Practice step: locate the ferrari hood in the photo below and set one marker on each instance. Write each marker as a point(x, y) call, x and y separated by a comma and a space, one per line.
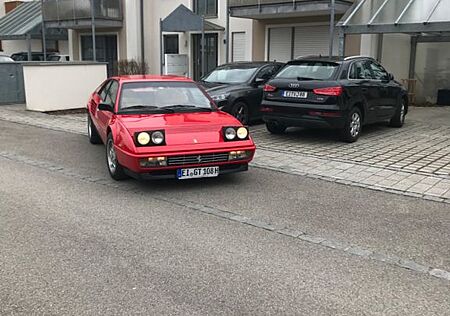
point(182, 128)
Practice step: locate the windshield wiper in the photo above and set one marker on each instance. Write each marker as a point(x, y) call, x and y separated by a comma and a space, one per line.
point(151, 108)
point(185, 106)
point(306, 78)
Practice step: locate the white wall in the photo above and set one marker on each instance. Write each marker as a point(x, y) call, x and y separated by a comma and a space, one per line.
point(369, 45)
point(132, 29)
point(432, 70)
point(396, 53)
point(2, 8)
point(61, 86)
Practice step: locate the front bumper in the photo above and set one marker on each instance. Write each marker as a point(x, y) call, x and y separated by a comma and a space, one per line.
point(131, 162)
point(172, 173)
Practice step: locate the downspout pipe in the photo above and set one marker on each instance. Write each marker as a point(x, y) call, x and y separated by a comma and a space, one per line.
point(44, 37)
point(142, 37)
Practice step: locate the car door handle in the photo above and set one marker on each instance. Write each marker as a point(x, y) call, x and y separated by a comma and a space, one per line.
point(365, 89)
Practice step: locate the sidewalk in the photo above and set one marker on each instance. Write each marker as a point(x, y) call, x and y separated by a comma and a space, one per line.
point(412, 161)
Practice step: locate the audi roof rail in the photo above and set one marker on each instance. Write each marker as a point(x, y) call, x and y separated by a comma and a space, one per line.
point(357, 56)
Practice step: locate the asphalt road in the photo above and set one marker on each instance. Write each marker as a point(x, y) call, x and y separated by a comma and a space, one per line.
point(74, 242)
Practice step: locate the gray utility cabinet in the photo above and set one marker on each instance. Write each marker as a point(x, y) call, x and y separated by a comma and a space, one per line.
point(12, 90)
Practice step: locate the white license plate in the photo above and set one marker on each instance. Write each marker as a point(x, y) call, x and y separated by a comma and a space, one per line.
point(295, 94)
point(193, 173)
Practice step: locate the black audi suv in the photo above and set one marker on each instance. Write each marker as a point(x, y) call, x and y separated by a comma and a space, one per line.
point(336, 93)
point(237, 88)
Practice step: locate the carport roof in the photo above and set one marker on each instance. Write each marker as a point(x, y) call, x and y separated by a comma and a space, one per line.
point(26, 19)
point(397, 16)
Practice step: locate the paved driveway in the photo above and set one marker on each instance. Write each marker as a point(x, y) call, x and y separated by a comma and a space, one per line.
point(421, 146)
point(413, 160)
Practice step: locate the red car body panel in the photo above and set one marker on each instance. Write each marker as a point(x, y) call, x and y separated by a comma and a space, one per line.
point(185, 133)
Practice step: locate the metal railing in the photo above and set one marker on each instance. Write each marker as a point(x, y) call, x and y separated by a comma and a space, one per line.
point(245, 3)
point(64, 10)
point(248, 3)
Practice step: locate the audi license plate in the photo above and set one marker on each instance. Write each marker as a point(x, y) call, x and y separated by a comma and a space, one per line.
point(295, 94)
point(193, 173)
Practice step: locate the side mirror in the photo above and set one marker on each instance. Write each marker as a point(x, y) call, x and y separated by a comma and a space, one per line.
point(105, 107)
point(391, 77)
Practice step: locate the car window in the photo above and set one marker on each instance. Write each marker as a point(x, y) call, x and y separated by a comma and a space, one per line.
point(313, 70)
point(231, 74)
point(104, 89)
point(360, 70)
point(111, 95)
point(378, 71)
point(267, 72)
point(54, 58)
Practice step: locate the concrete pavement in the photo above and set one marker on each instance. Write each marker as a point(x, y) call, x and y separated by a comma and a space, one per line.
point(76, 242)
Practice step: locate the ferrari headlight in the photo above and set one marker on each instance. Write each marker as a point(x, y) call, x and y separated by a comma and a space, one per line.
point(220, 97)
point(230, 133)
point(157, 138)
point(143, 138)
point(242, 133)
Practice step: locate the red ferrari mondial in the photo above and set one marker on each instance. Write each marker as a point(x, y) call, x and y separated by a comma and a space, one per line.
point(165, 127)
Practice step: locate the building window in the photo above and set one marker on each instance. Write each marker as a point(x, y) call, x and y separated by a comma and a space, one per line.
point(208, 8)
point(171, 44)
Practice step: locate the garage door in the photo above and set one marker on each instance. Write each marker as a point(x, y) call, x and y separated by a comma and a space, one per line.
point(280, 44)
point(313, 40)
point(238, 46)
point(308, 40)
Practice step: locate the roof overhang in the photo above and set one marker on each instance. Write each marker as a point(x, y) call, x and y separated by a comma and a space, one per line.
point(267, 10)
point(25, 22)
point(397, 16)
point(184, 20)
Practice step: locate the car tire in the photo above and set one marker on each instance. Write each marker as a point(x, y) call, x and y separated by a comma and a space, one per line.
point(241, 112)
point(353, 126)
point(275, 127)
point(400, 115)
point(93, 135)
point(116, 171)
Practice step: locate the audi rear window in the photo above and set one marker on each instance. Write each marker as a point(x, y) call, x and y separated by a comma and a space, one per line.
point(309, 70)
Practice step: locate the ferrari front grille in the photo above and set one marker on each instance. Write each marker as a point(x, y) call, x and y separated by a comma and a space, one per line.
point(197, 159)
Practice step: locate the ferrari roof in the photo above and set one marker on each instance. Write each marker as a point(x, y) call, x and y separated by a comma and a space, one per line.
point(153, 78)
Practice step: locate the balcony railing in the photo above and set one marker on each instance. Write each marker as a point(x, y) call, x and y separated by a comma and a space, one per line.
point(245, 3)
point(73, 10)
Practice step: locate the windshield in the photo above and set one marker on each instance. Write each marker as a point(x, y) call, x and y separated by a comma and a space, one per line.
point(163, 97)
point(231, 74)
point(311, 70)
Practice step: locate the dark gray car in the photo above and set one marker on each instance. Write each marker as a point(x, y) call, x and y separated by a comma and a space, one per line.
point(237, 88)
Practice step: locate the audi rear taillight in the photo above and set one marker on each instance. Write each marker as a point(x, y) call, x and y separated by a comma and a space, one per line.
point(269, 88)
point(330, 91)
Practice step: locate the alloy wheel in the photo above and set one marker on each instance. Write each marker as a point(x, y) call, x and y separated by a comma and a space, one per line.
point(355, 125)
point(89, 128)
point(111, 156)
point(241, 114)
point(403, 112)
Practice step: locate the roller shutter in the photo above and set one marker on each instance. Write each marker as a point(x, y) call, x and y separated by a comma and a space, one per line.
point(238, 46)
point(280, 44)
point(313, 40)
